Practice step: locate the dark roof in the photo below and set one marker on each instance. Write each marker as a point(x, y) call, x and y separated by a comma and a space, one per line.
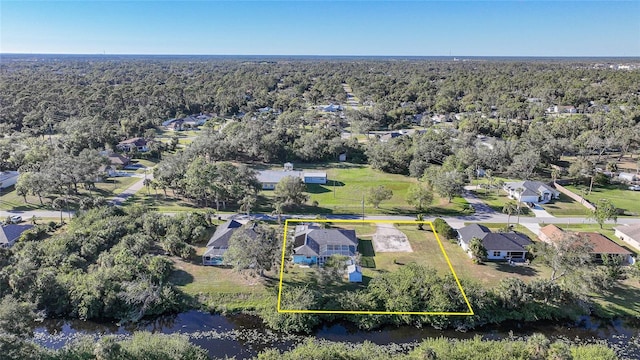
point(223, 233)
point(505, 241)
point(474, 230)
point(10, 233)
point(315, 238)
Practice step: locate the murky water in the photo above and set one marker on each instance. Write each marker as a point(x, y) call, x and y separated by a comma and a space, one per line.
point(245, 336)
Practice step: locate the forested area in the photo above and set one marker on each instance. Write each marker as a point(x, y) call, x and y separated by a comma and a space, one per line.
point(108, 264)
point(94, 104)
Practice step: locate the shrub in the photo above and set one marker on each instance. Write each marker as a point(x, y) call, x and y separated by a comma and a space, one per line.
point(443, 229)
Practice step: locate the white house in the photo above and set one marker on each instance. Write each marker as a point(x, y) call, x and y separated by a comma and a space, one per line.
point(8, 178)
point(629, 234)
point(627, 176)
point(500, 246)
point(531, 192)
point(270, 178)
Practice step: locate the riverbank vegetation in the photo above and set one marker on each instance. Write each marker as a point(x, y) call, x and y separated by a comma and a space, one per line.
point(535, 347)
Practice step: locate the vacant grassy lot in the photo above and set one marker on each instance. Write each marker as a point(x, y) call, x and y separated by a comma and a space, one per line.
point(619, 195)
point(565, 206)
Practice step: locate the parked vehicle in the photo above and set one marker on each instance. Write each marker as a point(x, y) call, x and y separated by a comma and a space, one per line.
point(16, 219)
point(634, 187)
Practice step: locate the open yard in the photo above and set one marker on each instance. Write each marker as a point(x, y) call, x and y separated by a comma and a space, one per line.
point(620, 196)
point(348, 183)
point(221, 289)
point(565, 206)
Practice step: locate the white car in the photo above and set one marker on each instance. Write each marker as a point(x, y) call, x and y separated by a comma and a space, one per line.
point(634, 187)
point(16, 219)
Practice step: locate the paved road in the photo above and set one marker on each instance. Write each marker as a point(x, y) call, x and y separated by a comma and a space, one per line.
point(477, 204)
point(131, 190)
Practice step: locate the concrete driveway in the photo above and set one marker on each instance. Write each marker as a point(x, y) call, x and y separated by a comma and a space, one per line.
point(389, 239)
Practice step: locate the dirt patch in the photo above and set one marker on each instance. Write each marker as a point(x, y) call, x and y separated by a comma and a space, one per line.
point(389, 239)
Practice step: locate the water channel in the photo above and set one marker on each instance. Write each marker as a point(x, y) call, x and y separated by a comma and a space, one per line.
point(244, 336)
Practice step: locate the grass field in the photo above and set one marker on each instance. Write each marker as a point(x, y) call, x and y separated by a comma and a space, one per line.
point(348, 183)
point(620, 196)
point(565, 206)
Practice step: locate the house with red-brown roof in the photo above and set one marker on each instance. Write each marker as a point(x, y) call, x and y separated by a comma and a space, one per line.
point(601, 245)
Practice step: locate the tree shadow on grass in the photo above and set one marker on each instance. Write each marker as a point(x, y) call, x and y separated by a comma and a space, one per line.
point(180, 278)
point(516, 269)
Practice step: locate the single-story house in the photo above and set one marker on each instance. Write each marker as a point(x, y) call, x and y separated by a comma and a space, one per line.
point(550, 234)
point(313, 245)
point(270, 178)
point(531, 192)
point(219, 243)
point(627, 177)
point(118, 160)
point(354, 272)
point(10, 233)
point(601, 244)
point(500, 246)
point(629, 234)
point(8, 178)
point(107, 171)
point(135, 144)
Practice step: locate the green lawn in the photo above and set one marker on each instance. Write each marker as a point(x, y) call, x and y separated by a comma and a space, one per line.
point(348, 183)
point(620, 196)
point(565, 206)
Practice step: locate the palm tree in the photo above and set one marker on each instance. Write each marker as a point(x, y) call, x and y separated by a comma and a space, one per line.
point(489, 175)
point(509, 208)
point(147, 183)
point(554, 174)
point(519, 191)
point(278, 209)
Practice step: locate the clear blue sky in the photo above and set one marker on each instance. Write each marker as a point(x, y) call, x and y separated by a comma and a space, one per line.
point(427, 28)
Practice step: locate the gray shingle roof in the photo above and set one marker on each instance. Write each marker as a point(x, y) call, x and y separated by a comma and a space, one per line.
point(474, 230)
point(10, 233)
point(316, 238)
point(223, 233)
point(505, 241)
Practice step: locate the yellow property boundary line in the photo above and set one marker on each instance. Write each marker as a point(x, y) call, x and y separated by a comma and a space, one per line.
point(284, 246)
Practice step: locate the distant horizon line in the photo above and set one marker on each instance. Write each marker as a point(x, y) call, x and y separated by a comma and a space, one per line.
point(460, 57)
